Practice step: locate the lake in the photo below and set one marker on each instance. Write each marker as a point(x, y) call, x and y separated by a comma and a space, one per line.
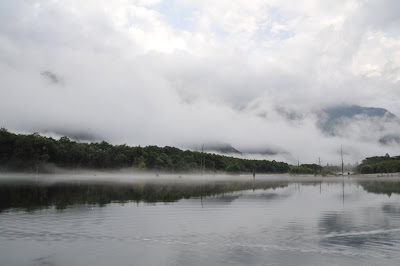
point(199, 220)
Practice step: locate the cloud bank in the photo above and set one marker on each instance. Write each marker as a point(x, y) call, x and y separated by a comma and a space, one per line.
point(252, 74)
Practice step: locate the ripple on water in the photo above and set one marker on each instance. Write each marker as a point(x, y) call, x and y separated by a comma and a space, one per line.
point(285, 225)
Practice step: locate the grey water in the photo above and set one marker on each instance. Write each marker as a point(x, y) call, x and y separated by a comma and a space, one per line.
point(200, 221)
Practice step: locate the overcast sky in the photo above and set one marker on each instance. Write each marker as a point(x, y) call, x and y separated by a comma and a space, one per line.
point(179, 73)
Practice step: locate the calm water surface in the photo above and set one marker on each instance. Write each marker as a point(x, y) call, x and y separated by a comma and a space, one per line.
point(272, 221)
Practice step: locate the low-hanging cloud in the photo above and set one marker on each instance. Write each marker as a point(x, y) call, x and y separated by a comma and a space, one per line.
point(254, 76)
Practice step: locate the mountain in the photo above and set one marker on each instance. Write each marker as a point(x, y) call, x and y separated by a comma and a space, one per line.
point(218, 147)
point(334, 119)
point(390, 139)
point(263, 151)
point(73, 134)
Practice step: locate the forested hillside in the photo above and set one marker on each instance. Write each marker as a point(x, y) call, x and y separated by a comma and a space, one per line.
point(380, 164)
point(31, 153)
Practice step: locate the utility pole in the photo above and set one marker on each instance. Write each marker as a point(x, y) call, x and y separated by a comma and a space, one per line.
point(201, 160)
point(341, 154)
point(204, 163)
point(319, 162)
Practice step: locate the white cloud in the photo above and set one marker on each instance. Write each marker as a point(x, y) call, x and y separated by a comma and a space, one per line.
point(132, 73)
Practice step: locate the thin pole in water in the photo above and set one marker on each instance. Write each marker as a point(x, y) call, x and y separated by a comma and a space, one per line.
point(343, 191)
point(341, 154)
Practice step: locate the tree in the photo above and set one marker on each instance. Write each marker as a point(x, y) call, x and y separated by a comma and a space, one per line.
point(121, 160)
point(366, 169)
point(28, 152)
point(142, 165)
point(233, 168)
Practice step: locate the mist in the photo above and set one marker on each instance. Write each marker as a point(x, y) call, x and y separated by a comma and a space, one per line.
point(253, 75)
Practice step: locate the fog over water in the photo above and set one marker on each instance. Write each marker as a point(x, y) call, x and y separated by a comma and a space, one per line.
point(255, 75)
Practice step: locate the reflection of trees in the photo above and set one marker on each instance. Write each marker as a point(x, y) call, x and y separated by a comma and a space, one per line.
point(381, 187)
point(30, 196)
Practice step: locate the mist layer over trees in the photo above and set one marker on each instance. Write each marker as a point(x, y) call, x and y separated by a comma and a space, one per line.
point(35, 153)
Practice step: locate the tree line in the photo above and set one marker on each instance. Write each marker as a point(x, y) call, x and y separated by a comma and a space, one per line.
point(36, 153)
point(379, 164)
point(308, 169)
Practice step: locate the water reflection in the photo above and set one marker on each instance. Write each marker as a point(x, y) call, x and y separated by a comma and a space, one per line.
point(33, 195)
point(391, 209)
point(344, 229)
point(274, 221)
point(364, 225)
point(381, 187)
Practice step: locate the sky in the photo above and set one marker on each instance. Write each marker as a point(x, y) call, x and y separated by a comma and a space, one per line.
point(253, 74)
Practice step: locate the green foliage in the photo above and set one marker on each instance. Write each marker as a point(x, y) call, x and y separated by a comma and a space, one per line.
point(233, 168)
point(366, 169)
point(121, 160)
point(326, 172)
point(306, 169)
point(313, 166)
point(379, 164)
point(142, 165)
point(28, 152)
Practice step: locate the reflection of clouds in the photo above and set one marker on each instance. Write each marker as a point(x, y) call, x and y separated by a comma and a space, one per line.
point(281, 236)
point(267, 196)
point(361, 228)
point(242, 255)
point(246, 195)
point(266, 227)
point(391, 209)
point(335, 222)
point(44, 260)
point(223, 199)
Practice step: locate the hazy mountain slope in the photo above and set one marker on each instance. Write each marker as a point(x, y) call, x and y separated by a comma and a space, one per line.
point(218, 147)
point(335, 120)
